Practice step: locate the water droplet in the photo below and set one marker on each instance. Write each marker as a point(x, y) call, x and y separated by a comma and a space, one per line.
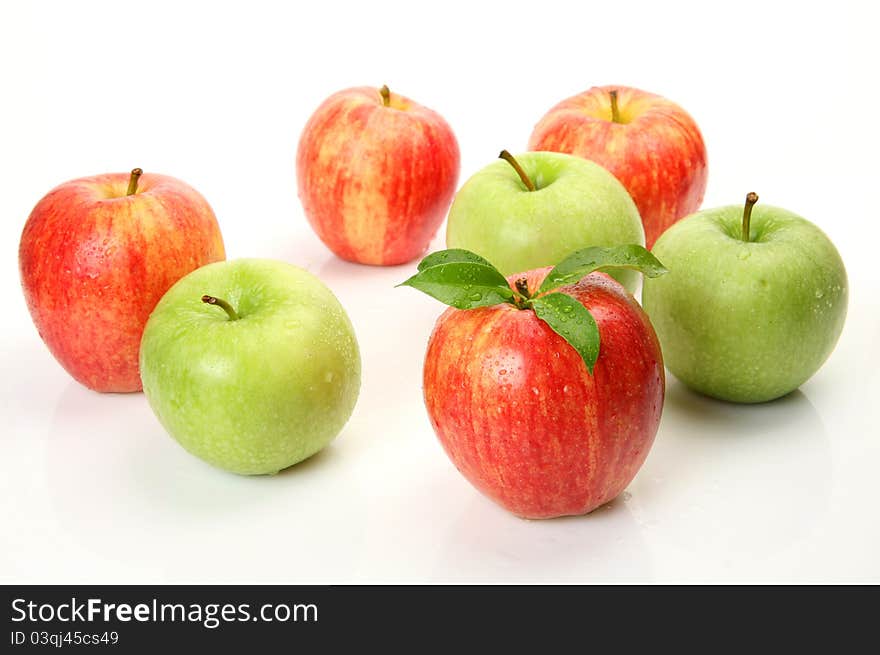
point(328, 376)
point(503, 371)
point(566, 389)
point(819, 293)
point(536, 391)
point(475, 297)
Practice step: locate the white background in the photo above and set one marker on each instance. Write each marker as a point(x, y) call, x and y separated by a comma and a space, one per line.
point(93, 490)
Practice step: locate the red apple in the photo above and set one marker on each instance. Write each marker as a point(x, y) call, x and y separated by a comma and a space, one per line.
point(376, 174)
point(649, 143)
point(97, 254)
point(517, 411)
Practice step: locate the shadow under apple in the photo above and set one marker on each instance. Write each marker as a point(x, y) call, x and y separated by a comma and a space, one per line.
point(734, 484)
point(486, 544)
point(124, 488)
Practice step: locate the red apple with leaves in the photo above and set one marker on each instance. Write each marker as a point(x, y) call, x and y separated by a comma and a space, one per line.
point(376, 173)
point(649, 143)
point(546, 389)
point(97, 254)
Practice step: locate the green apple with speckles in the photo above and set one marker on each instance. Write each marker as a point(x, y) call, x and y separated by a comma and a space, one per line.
point(535, 209)
point(251, 364)
point(753, 304)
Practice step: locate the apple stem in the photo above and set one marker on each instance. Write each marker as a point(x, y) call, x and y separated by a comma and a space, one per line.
point(385, 92)
point(522, 287)
point(615, 112)
point(751, 199)
point(506, 156)
point(133, 181)
point(225, 306)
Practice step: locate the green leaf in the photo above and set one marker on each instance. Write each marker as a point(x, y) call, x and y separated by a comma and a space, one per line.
point(583, 262)
point(463, 284)
point(450, 256)
point(571, 321)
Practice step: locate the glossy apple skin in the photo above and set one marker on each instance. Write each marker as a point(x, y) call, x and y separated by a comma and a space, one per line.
point(577, 204)
point(746, 322)
point(521, 418)
point(375, 182)
point(657, 151)
point(94, 262)
point(261, 393)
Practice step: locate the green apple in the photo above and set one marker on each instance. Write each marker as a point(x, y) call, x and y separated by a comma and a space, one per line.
point(250, 364)
point(753, 303)
point(536, 209)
